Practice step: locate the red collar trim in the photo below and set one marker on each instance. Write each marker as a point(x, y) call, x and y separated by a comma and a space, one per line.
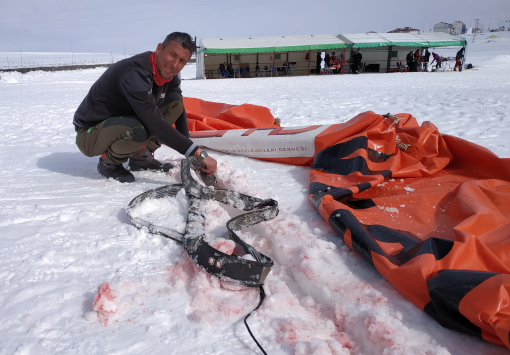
point(158, 79)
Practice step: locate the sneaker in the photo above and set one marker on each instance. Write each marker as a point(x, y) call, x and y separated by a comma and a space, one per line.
point(116, 172)
point(143, 159)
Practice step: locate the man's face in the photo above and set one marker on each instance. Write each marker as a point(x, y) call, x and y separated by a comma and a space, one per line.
point(171, 59)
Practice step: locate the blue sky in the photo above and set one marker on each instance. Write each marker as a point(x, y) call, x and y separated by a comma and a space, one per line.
point(134, 26)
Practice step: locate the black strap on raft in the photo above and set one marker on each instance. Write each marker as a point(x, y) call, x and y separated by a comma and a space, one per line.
point(250, 273)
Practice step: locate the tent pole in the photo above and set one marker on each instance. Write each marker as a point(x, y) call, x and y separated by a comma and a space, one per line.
point(463, 60)
point(273, 69)
point(343, 61)
point(350, 58)
point(309, 62)
point(239, 66)
point(389, 59)
point(287, 64)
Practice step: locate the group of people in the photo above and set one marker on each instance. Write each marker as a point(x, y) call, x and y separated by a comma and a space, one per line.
point(226, 70)
point(458, 59)
point(332, 61)
point(414, 59)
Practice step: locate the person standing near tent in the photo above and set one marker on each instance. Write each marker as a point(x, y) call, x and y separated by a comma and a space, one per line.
point(356, 61)
point(409, 60)
point(437, 58)
point(359, 58)
point(334, 62)
point(230, 70)
point(326, 61)
point(417, 60)
point(426, 59)
point(129, 112)
point(458, 59)
point(337, 64)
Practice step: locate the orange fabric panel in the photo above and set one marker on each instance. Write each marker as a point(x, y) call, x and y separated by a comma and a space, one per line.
point(248, 116)
point(203, 123)
point(475, 161)
point(493, 313)
point(206, 115)
point(409, 279)
point(204, 108)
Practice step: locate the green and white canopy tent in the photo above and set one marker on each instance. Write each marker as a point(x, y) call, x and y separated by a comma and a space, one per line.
point(386, 49)
point(259, 52)
point(412, 40)
point(256, 56)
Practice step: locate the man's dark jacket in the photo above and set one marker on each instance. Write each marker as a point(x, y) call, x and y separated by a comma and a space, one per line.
point(460, 54)
point(127, 88)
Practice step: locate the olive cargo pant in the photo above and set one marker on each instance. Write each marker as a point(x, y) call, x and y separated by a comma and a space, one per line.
point(119, 137)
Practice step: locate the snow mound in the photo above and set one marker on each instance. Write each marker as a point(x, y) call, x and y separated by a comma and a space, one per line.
point(170, 212)
point(105, 303)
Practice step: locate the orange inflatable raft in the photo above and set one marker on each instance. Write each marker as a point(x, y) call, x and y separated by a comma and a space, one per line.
point(430, 212)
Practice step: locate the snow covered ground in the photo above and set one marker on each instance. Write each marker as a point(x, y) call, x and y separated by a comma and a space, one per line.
point(76, 277)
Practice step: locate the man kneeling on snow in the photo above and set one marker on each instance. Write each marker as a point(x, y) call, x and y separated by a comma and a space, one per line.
point(129, 112)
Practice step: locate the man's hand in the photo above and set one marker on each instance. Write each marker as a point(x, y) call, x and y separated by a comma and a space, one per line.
point(210, 164)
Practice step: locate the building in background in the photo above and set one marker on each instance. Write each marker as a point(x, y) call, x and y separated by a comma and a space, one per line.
point(456, 28)
point(443, 27)
point(405, 30)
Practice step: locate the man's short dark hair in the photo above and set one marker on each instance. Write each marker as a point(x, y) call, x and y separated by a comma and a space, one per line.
point(183, 39)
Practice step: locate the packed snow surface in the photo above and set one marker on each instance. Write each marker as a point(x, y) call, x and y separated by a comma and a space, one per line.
point(166, 212)
point(77, 277)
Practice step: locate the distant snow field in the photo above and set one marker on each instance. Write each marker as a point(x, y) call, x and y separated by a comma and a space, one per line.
point(78, 278)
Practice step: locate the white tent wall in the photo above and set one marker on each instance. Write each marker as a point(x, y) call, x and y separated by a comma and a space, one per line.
point(200, 62)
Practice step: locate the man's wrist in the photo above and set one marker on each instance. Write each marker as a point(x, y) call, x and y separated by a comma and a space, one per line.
point(202, 155)
point(192, 150)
